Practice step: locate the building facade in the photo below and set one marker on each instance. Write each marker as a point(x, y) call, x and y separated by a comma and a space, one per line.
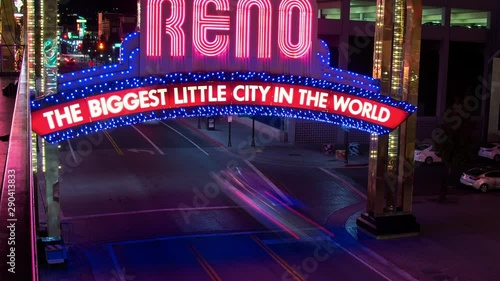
point(460, 38)
point(113, 27)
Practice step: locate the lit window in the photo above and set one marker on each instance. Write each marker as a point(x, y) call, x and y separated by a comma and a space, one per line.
point(432, 16)
point(329, 9)
point(469, 18)
point(363, 11)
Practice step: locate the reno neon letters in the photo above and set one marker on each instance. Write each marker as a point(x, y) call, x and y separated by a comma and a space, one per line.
point(210, 26)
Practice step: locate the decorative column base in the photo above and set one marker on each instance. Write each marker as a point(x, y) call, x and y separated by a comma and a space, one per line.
point(388, 226)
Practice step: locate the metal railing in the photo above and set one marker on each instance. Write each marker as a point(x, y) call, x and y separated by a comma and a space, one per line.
point(18, 260)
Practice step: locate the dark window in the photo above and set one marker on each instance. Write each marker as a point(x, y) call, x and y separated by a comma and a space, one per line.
point(489, 145)
point(498, 118)
point(422, 147)
point(429, 74)
point(466, 62)
point(493, 175)
point(360, 55)
point(476, 172)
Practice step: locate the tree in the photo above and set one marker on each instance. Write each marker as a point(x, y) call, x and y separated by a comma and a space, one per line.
point(455, 141)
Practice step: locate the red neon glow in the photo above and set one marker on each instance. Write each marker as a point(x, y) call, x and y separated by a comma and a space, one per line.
point(203, 23)
point(285, 24)
point(145, 99)
point(243, 27)
point(172, 28)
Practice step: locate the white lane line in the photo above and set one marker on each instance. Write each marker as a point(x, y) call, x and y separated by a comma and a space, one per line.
point(153, 211)
point(352, 187)
point(72, 151)
point(150, 141)
point(116, 264)
point(269, 182)
point(171, 128)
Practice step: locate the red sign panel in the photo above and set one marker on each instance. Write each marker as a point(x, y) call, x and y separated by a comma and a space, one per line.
point(132, 101)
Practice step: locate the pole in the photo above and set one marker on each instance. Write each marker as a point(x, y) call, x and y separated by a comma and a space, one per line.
point(229, 142)
point(346, 141)
point(253, 131)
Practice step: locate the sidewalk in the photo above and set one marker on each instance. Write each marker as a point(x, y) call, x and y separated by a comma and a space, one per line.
point(458, 239)
point(269, 146)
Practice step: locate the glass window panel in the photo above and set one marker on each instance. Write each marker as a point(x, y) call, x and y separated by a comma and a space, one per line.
point(432, 15)
point(329, 9)
point(363, 10)
point(470, 18)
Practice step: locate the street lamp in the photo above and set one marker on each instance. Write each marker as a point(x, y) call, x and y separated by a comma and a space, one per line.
point(253, 131)
point(346, 143)
point(230, 120)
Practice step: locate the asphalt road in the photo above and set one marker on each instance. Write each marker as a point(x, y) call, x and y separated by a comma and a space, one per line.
point(145, 191)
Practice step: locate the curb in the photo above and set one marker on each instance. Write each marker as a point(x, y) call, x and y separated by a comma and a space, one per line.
point(196, 130)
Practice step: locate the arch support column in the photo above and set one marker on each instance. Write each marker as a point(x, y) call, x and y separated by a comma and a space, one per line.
point(391, 165)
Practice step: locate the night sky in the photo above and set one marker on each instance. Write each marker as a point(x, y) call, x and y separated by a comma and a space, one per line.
point(124, 5)
point(90, 8)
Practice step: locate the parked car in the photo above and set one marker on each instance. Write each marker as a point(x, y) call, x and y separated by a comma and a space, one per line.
point(426, 153)
point(67, 59)
point(481, 178)
point(491, 151)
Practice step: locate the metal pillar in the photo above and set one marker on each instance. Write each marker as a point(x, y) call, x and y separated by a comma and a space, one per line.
point(346, 141)
point(253, 131)
point(396, 64)
point(229, 144)
point(46, 51)
point(51, 163)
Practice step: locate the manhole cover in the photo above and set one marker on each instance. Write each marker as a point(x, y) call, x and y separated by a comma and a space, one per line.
point(294, 154)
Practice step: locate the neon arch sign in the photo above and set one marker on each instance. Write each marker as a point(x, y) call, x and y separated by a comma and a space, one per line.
point(217, 57)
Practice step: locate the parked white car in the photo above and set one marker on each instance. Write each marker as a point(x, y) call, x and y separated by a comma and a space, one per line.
point(482, 179)
point(491, 151)
point(425, 153)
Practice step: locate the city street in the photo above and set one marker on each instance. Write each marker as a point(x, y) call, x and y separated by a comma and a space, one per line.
point(143, 196)
point(139, 203)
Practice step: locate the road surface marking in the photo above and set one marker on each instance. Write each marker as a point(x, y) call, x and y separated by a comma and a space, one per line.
point(72, 151)
point(269, 182)
point(204, 263)
point(116, 264)
point(171, 128)
point(150, 141)
point(297, 276)
point(153, 211)
point(141, 150)
point(352, 187)
point(113, 143)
